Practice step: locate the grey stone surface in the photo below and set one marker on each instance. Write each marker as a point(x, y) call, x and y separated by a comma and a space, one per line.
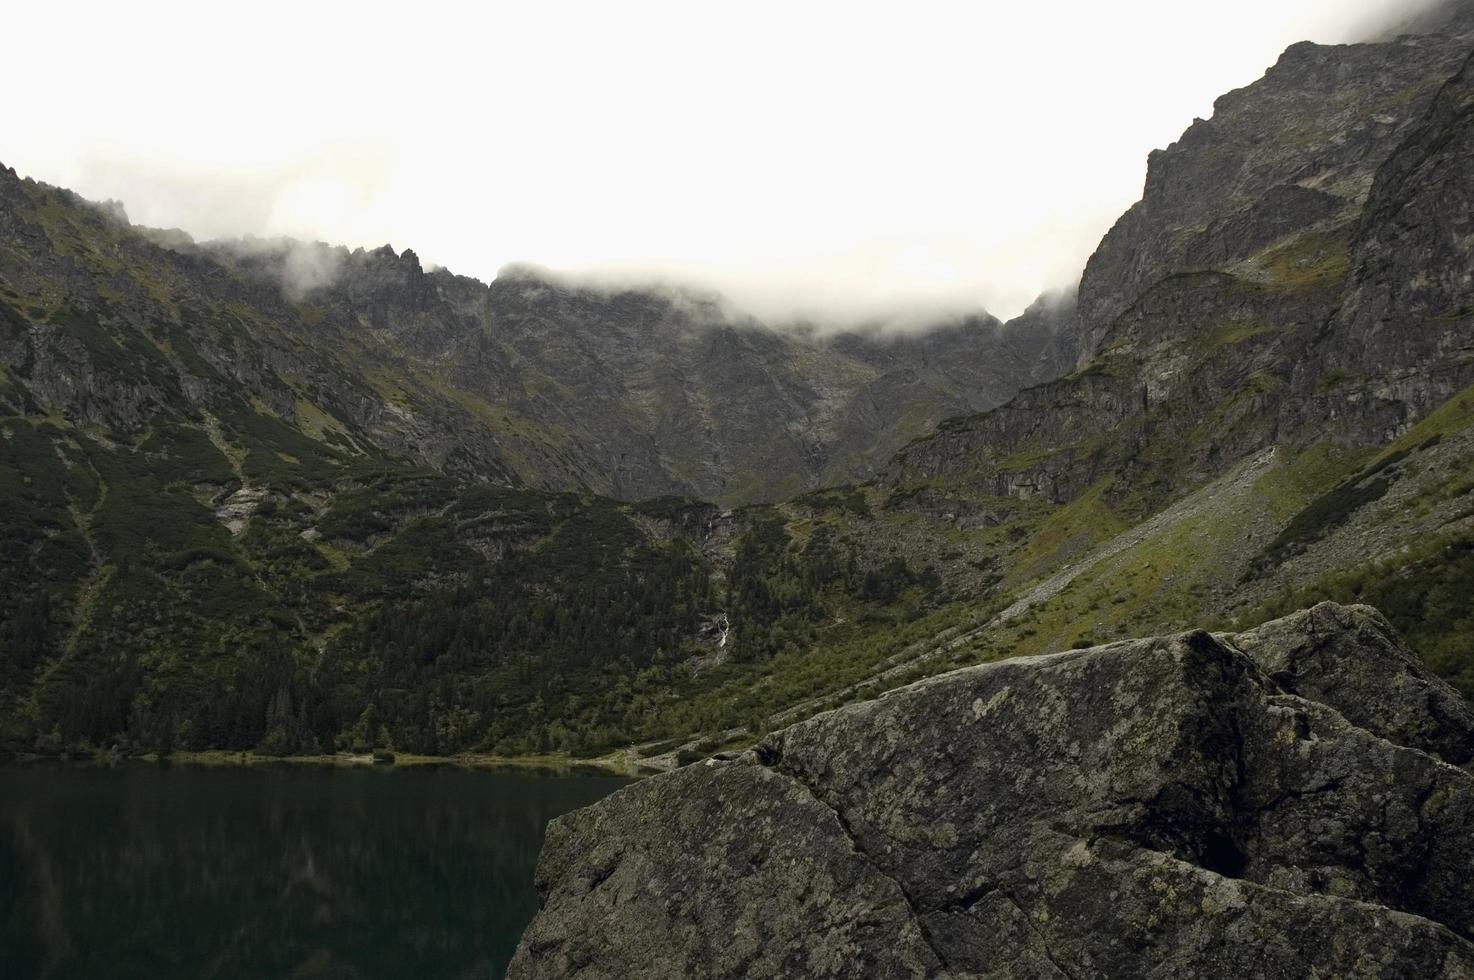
point(1350, 658)
point(1297, 271)
point(1159, 807)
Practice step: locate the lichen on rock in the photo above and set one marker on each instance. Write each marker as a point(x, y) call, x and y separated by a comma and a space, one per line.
point(1280, 803)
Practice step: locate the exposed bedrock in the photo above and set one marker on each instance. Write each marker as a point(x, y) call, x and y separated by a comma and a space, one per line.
point(1281, 803)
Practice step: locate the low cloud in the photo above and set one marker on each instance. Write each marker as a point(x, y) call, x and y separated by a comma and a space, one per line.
point(1410, 17)
point(853, 167)
point(801, 308)
point(309, 268)
point(301, 267)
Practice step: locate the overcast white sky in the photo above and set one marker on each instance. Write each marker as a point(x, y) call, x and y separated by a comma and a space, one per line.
point(829, 158)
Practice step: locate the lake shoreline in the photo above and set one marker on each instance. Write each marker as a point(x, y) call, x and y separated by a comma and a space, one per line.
point(555, 764)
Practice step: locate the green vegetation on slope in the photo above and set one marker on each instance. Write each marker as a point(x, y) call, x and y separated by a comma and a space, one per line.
point(368, 604)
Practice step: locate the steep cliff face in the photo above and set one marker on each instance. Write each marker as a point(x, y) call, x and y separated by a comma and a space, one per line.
point(1402, 340)
point(1162, 407)
point(1295, 150)
point(1297, 271)
point(1278, 804)
point(670, 393)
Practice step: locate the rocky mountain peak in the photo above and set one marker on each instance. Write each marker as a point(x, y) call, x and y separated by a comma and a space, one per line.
point(1293, 151)
point(1296, 271)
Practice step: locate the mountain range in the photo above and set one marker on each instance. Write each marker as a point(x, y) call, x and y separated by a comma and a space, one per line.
point(287, 497)
point(532, 380)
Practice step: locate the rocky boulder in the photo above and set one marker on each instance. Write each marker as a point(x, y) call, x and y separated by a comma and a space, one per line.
point(1262, 805)
point(1351, 659)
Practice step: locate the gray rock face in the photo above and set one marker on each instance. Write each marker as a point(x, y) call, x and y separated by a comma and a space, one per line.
point(1297, 147)
point(1297, 271)
point(1154, 808)
point(1350, 658)
point(1408, 315)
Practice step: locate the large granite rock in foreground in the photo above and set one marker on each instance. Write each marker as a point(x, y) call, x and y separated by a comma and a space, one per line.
point(1276, 804)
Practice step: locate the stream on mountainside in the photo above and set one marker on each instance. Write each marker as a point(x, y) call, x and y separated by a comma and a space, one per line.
point(271, 871)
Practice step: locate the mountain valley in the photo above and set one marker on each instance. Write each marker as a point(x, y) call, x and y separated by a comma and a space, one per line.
point(290, 499)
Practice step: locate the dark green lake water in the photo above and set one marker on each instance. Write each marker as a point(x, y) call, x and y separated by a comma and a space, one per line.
point(141, 871)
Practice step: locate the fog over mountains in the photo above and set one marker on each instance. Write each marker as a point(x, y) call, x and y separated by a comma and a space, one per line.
point(876, 167)
point(1130, 634)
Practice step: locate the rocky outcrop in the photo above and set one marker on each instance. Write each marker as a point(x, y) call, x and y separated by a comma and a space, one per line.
point(1351, 659)
point(1406, 325)
point(1297, 148)
point(1297, 271)
point(1278, 804)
